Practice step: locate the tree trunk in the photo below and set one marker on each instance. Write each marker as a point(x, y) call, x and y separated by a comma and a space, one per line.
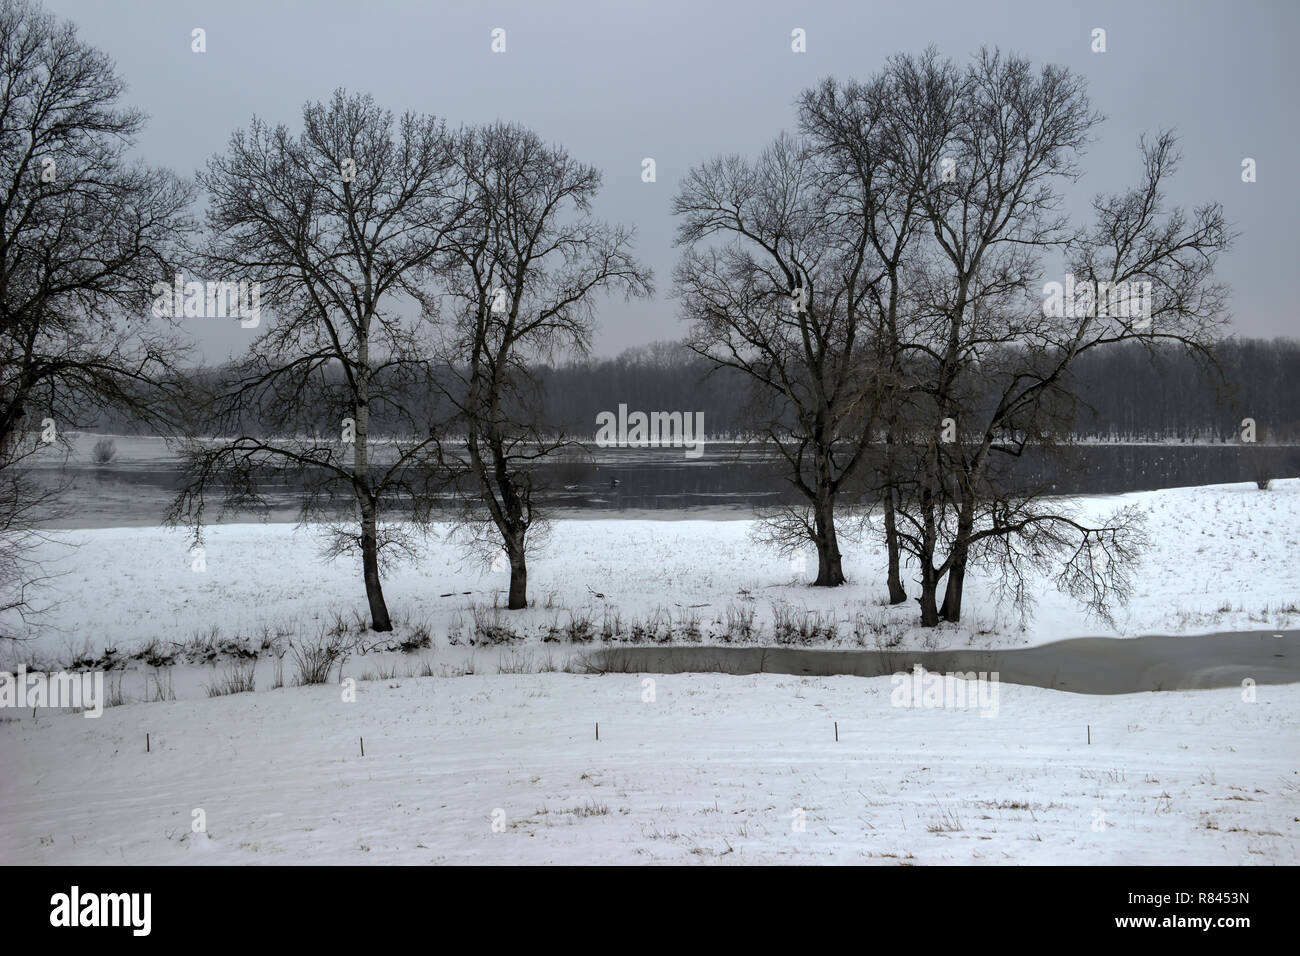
point(929, 594)
point(518, 571)
point(951, 609)
point(929, 576)
point(518, 577)
point(830, 571)
point(379, 619)
point(897, 593)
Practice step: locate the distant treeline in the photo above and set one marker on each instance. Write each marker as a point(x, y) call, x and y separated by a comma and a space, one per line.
point(1128, 393)
point(1136, 395)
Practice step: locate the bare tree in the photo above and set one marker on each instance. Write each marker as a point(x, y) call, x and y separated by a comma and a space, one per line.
point(782, 297)
point(338, 226)
point(991, 356)
point(84, 235)
point(876, 175)
point(522, 273)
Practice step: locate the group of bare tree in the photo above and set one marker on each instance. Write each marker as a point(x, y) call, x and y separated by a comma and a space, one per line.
point(398, 258)
point(878, 278)
point(394, 257)
point(874, 277)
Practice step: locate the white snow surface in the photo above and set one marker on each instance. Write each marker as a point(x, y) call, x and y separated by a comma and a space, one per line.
point(713, 769)
point(706, 768)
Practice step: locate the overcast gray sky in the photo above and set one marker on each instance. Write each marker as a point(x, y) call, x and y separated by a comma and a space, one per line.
point(681, 81)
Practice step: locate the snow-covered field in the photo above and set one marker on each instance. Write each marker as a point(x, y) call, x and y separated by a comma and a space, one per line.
point(1223, 557)
point(711, 769)
point(478, 751)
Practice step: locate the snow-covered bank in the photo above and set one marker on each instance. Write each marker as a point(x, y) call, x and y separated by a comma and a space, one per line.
point(688, 768)
point(1224, 557)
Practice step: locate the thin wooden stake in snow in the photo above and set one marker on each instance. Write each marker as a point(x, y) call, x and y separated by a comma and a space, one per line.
point(146, 742)
point(598, 730)
point(1090, 734)
point(363, 745)
point(837, 731)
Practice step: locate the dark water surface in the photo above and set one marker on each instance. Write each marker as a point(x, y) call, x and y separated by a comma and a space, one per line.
point(1085, 665)
point(727, 481)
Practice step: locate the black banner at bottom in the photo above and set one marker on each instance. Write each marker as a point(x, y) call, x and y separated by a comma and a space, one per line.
point(302, 904)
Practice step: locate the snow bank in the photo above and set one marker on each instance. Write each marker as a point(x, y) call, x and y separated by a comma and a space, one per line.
point(1224, 557)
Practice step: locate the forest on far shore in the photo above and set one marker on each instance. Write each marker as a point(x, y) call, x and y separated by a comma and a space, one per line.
point(1128, 393)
